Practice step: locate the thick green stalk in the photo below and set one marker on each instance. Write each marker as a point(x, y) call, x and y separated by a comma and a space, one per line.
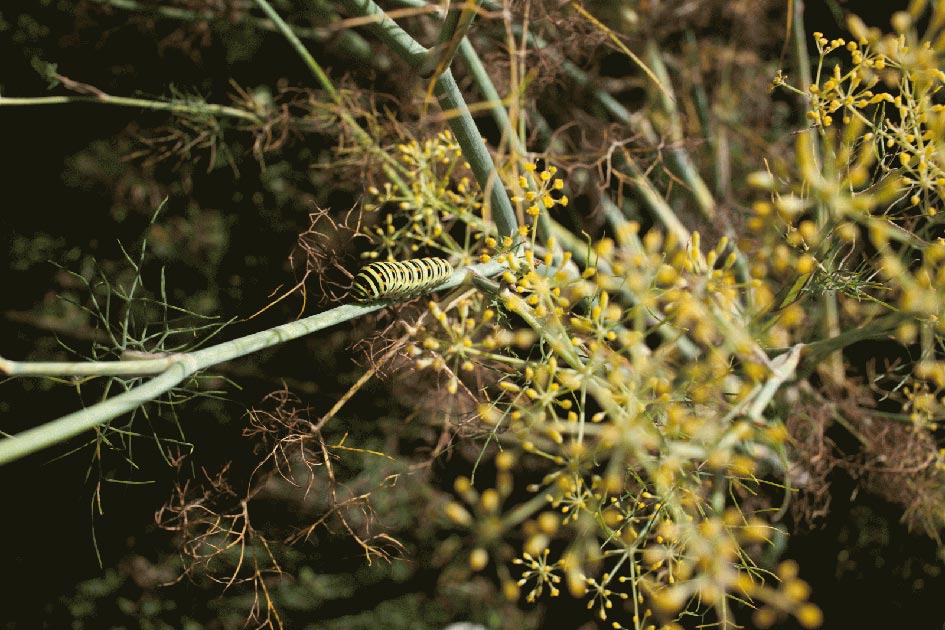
point(474, 150)
point(501, 117)
point(453, 33)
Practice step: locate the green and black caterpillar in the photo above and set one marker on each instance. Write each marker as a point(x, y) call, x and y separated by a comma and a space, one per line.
point(400, 280)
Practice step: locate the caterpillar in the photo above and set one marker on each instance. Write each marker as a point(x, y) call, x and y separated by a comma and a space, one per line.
point(400, 280)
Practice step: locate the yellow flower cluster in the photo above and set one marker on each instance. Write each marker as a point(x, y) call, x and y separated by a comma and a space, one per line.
point(637, 386)
point(630, 380)
point(426, 196)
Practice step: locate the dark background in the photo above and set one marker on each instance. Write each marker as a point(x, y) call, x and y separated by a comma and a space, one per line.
point(866, 570)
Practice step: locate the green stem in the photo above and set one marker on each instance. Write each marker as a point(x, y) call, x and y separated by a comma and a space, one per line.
point(300, 48)
point(664, 213)
point(524, 511)
point(501, 117)
point(388, 31)
point(671, 334)
point(474, 150)
point(178, 107)
point(818, 351)
point(801, 53)
point(137, 367)
point(179, 368)
point(783, 369)
point(455, 27)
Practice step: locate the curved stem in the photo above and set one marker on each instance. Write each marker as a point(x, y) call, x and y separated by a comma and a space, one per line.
point(453, 33)
point(388, 31)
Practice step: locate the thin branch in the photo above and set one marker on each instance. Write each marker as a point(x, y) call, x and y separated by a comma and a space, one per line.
point(177, 107)
point(182, 366)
